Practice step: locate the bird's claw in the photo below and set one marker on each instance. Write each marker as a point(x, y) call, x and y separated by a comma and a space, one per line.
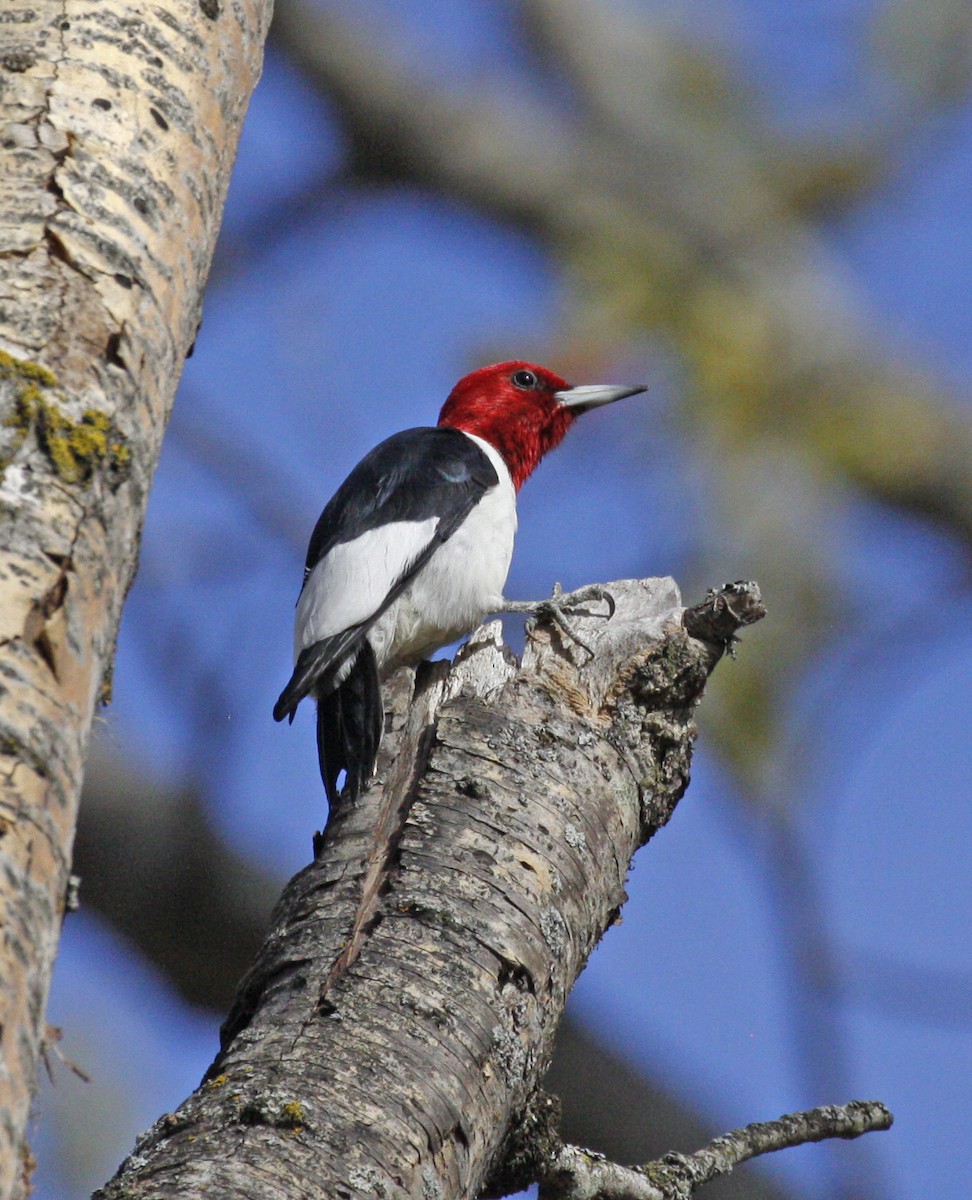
point(561, 602)
point(591, 591)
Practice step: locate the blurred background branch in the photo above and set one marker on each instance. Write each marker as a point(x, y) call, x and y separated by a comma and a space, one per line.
point(665, 221)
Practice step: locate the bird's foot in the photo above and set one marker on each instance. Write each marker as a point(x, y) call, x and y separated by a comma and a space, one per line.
point(560, 602)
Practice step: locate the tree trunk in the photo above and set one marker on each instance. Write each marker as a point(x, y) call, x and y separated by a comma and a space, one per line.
point(118, 129)
point(401, 1012)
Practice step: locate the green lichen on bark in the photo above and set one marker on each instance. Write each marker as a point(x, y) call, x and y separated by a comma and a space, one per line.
point(22, 381)
point(291, 1116)
point(75, 447)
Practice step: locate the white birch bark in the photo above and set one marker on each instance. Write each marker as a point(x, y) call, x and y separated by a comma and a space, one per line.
point(118, 127)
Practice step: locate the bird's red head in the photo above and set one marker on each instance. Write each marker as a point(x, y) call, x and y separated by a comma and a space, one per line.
point(512, 406)
point(522, 409)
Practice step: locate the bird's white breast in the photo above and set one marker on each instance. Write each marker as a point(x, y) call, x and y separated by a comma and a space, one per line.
point(462, 582)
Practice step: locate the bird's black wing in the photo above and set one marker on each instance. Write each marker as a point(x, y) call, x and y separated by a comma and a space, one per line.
point(411, 476)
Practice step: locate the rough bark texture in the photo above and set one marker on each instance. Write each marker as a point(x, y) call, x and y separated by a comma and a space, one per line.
point(403, 1007)
point(118, 128)
point(154, 868)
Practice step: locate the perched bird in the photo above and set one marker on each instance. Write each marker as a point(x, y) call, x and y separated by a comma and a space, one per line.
point(413, 550)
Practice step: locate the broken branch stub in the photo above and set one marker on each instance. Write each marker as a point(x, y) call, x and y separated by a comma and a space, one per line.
point(404, 1003)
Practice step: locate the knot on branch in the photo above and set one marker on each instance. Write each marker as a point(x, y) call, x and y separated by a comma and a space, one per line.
point(723, 612)
point(532, 1142)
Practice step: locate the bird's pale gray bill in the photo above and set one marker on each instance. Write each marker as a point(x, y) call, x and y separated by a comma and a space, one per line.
point(593, 395)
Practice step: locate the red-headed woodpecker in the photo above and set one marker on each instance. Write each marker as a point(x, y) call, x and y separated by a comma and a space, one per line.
point(413, 550)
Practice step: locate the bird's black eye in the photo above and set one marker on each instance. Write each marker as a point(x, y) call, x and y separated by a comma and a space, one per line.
point(524, 379)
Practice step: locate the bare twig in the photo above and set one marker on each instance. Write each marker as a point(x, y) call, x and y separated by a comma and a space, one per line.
point(578, 1174)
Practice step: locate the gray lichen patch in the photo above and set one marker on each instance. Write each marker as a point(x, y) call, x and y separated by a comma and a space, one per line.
point(554, 930)
point(368, 1181)
point(574, 836)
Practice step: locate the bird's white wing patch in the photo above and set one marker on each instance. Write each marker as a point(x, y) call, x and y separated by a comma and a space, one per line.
point(352, 581)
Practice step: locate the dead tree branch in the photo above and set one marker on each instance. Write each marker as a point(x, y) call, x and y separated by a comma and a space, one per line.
point(203, 923)
point(403, 1007)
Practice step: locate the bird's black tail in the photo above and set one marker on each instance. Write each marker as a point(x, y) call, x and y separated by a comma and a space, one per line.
point(349, 725)
point(315, 667)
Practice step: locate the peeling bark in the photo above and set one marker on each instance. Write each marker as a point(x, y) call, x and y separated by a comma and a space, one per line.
point(118, 129)
point(402, 1010)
